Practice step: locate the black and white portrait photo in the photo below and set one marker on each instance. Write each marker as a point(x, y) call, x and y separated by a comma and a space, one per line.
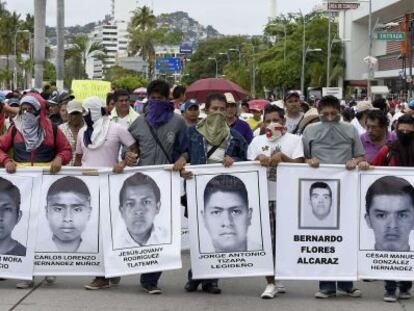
point(389, 213)
point(10, 215)
point(227, 216)
point(70, 218)
point(140, 218)
point(319, 204)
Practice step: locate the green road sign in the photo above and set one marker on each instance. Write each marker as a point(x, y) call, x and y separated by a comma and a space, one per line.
point(391, 36)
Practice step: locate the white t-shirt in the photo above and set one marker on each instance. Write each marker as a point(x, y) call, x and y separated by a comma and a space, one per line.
point(289, 144)
point(123, 122)
point(358, 126)
point(292, 123)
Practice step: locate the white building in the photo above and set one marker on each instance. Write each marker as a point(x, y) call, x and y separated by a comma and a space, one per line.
point(114, 37)
point(353, 25)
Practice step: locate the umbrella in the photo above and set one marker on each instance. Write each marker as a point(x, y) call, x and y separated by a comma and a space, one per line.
point(258, 104)
point(140, 90)
point(202, 88)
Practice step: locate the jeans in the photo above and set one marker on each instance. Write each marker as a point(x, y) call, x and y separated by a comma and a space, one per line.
point(150, 279)
point(330, 286)
point(203, 282)
point(391, 286)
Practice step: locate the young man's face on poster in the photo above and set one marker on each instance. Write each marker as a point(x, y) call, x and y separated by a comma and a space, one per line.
point(227, 218)
point(68, 214)
point(9, 215)
point(391, 217)
point(139, 209)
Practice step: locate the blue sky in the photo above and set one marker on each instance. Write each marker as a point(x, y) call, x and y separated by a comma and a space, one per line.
point(227, 16)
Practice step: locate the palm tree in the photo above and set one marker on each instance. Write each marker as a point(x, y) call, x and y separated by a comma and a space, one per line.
point(39, 40)
point(81, 49)
point(60, 36)
point(143, 34)
point(142, 19)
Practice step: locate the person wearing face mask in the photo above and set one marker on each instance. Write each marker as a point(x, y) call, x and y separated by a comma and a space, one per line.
point(160, 135)
point(276, 145)
point(333, 142)
point(35, 141)
point(213, 141)
point(401, 151)
point(71, 128)
point(99, 142)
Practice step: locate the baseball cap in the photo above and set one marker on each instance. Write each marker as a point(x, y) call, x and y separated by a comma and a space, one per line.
point(190, 103)
point(290, 94)
point(74, 106)
point(411, 104)
point(13, 102)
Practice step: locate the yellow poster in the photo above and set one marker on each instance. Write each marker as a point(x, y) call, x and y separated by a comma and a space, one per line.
point(86, 88)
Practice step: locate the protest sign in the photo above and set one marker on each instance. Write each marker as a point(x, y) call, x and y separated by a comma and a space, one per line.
point(85, 88)
point(229, 221)
point(316, 223)
point(18, 211)
point(386, 241)
point(142, 222)
point(68, 237)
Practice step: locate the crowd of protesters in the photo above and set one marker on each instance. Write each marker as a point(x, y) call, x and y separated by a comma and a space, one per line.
point(162, 126)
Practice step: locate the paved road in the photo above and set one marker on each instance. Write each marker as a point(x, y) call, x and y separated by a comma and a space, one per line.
point(238, 294)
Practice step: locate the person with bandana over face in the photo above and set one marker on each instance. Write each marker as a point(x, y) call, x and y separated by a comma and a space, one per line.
point(333, 142)
point(160, 135)
point(276, 145)
point(98, 145)
point(35, 142)
point(99, 142)
point(33, 138)
point(213, 141)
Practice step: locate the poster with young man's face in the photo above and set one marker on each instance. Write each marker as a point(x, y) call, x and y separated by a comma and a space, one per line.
point(144, 222)
point(387, 224)
point(69, 225)
point(229, 218)
point(18, 222)
point(316, 223)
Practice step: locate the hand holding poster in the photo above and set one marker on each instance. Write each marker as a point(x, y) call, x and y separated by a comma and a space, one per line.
point(316, 223)
point(68, 239)
point(386, 224)
point(229, 221)
point(18, 213)
point(143, 222)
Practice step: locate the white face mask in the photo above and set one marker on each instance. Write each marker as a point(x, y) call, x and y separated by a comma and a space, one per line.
point(274, 131)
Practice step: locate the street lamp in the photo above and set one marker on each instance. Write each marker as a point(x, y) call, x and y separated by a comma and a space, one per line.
point(215, 60)
point(15, 56)
point(302, 77)
point(226, 54)
point(239, 53)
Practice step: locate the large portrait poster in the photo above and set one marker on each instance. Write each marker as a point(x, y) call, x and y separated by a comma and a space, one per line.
point(19, 194)
point(386, 240)
point(229, 221)
point(316, 223)
point(143, 221)
point(68, 236)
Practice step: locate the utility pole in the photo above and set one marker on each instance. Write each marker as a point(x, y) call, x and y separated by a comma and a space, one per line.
point(410, 61)
point(302, 76)
point(369, 50)
point(253, 86)
point(328, 61)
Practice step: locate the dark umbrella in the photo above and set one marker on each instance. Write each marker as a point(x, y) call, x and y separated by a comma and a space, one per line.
point(202, 88)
